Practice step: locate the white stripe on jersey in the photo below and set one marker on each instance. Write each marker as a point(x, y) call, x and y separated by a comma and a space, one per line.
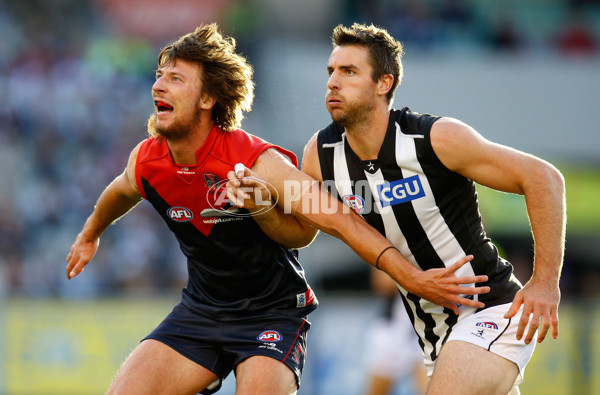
point(343, 183)
point(438, 233)
point(392, 231)
point(428, 213)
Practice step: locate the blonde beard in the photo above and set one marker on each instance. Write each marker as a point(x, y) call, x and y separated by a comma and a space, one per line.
point(151, 126)
point(177, 131)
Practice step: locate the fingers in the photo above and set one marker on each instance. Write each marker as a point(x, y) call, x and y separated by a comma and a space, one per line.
point(238, 201)
point(470, 303)
point(453, 307)
point(534, 324)
point(514, 308)
point(77, 269)
point(543, 331)
point(554, 314)
point(239, 170)
point(472, 280)
point(74, 265)
point(458, 264)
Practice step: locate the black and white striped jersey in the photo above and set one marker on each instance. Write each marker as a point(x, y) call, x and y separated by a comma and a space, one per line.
point(427, 211)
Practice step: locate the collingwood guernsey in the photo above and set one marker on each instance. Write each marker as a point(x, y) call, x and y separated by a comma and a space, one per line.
point(427, 211)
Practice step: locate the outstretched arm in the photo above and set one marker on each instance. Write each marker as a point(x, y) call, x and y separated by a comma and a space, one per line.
point(120, 196)
point(246, 188)
point(303, 196)
point(464, 151)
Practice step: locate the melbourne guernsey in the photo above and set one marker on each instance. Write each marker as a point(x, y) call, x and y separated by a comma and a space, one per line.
point(234, 268)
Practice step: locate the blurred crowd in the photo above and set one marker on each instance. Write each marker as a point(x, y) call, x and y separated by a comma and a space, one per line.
point(77, 95)
point(566, 27)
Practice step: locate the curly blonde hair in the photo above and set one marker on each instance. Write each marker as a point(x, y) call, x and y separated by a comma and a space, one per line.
point(226, 76)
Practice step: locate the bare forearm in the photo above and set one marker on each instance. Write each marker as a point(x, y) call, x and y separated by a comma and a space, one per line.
point(112, 204)
point(546, 209)
point(285, 229)
point(326, 213)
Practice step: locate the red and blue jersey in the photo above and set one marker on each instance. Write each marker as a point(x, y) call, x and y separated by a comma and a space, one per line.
point(234, 268)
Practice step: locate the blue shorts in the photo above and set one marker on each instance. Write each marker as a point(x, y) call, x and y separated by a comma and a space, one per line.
point(220, 346)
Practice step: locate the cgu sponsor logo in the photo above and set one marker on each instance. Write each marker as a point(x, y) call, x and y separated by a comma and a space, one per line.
point(180, 214)
point(490, 325)
point(400, 191)
point(270, 336)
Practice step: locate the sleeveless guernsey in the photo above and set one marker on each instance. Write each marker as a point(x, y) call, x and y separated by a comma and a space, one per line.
point(234, 269)
point(425, 210)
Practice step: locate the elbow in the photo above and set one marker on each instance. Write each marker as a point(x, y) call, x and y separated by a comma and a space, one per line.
point(555, 180)
point(545, 177)
point(301, 239)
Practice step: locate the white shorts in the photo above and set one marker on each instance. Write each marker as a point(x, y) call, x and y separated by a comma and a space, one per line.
point(490, 330)
point(392, 347)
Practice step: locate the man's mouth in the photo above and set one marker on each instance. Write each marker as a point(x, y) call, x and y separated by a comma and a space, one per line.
point(162, 107)
point(333, 100)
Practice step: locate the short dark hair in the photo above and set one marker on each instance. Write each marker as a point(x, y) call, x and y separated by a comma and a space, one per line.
point(386, 52)
point(226, 77)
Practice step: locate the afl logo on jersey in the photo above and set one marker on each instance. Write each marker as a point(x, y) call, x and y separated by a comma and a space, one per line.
point(355, 202)
point(180, 214)
point(400, 191)
point(490, 325)
point(270, 336)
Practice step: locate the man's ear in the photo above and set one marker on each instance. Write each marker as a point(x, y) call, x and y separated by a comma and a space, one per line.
point(385, 84)
point(207, 102)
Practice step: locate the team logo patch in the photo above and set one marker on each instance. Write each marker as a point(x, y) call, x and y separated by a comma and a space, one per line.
point(490, 325)
point(270, 336)
point(400, 191)
point(355, 202)
point(305, 299)
point(211, 180)
point(180, 214)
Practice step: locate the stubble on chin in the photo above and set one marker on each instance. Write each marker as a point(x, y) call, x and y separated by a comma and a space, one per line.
point(173, 132)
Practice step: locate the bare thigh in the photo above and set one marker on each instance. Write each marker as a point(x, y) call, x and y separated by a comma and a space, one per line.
point(155, 368)
point(264, 375)
point(464, 368)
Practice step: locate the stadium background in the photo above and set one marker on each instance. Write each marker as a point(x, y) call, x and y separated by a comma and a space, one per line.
point(75, 78)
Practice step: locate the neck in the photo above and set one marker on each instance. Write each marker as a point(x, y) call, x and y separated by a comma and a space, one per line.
point(366, 137)
point(183, 151)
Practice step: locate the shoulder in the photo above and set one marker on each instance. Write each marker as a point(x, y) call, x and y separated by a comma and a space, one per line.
point(247, 147)
point(130, 170)
point(451, 131)
point(310, 158)
point(412, 122)
point(151, 148)
point(332, 133)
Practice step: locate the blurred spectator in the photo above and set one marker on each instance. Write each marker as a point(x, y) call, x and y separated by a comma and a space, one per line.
point(577, 36)
point(504, 36)
point(392, 354)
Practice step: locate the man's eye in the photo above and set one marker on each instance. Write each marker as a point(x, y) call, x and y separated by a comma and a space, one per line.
point(350, 72)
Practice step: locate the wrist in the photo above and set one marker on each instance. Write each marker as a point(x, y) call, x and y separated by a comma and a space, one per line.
point(381, 254)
